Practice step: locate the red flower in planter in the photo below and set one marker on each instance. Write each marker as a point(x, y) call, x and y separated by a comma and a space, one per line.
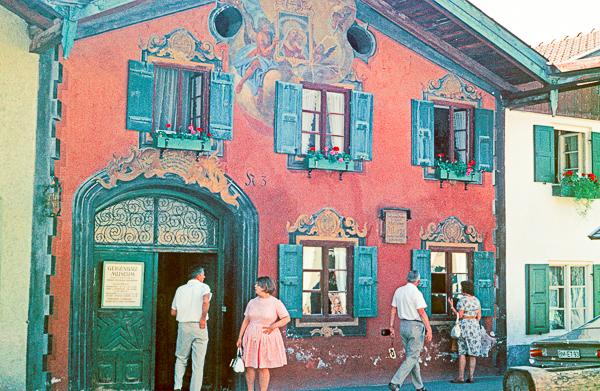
point(168, 126)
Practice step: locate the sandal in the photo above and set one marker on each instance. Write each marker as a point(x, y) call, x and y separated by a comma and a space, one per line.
point(470, 380)
point(457, 381)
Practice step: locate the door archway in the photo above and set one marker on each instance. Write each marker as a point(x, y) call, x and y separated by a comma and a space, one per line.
point(233, 249)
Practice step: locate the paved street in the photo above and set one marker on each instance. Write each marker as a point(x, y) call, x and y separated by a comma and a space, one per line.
point(493, 383)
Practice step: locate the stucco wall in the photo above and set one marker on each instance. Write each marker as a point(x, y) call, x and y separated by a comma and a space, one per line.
point(18, 113)
point(541, 228)
point(94, 94)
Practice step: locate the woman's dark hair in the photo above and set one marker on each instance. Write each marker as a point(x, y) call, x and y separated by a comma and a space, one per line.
point(467, 287)
point(266, 283)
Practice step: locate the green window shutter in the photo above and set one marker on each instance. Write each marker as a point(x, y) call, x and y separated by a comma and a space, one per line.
point(140, 96)
point(422, 133)
point(421, 262)
point(361, 125)
point(538, 299)
point(484, 139)
point(543, 154)
point(288, 118)
point(365, 282)
point(596, 153)
point(596, 290)
point(290, 278)
point(221, 105)
point(485, 287)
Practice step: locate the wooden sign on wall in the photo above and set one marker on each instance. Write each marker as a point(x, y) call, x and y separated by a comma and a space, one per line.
point(394, 225)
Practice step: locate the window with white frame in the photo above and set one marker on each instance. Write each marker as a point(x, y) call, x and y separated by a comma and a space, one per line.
point(571, 152)
point(567, 288)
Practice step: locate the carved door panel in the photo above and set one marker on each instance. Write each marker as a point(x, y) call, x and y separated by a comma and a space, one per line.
point(123, 333)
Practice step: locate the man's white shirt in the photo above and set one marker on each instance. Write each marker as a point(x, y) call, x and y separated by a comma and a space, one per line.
point(407, 300)
point(188, 301)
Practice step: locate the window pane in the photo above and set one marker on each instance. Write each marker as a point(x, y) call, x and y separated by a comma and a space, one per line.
point(578, 276)
point(460, 140)
point(311, 303)
point(335, 125)
point(165, 99)
point(335, 142)
point(311, 100)
point(557, 276)
point(438, 262)
point(312, 258)
point(335, 103)
point(438, 283)
point(438, 303)
point(553, 297)
point(460, 119)
point(442, 131)
point(456, 280)
point(571, 143)
point(310, 132)
point(337, 280)
point(337, 303)
point(557, 319)
point(578, 297)
point(577, 318)
point(337, 258)
point(459, 262)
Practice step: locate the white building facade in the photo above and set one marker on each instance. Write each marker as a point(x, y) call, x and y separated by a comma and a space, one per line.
point(550, 260)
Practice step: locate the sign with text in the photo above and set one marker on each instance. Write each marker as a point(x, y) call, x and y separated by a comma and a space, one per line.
point(122, 284)
point(395, 226)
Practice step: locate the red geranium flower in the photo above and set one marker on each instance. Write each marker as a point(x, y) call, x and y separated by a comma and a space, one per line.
point(168, 126)
point(336, 148)
point(312, 149)
point(210, 135)
point(570, 173)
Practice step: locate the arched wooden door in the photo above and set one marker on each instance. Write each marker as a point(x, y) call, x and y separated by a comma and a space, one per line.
point(132, 236)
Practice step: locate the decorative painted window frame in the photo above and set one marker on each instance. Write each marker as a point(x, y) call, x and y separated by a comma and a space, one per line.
point(326, 225)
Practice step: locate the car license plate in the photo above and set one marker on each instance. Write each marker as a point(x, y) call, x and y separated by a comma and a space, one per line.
point(568, 353)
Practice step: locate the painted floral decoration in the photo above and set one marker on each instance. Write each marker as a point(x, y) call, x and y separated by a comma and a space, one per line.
point(332, 155)
point(193, 134)
point(459, 168)
point(585, 188)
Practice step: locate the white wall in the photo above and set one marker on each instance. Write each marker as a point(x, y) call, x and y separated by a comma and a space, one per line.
point(539, 227)
point(18, 116)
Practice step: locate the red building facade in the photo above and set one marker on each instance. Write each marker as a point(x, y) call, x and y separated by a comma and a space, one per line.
point(253, 205)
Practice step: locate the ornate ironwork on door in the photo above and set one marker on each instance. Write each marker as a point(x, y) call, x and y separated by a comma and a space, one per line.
point(155, 221)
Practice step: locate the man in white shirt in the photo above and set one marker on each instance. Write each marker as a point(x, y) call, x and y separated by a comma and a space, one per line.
point(190, 306)
point(409, 306)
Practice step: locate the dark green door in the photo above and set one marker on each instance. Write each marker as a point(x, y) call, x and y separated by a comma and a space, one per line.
point(123, 316)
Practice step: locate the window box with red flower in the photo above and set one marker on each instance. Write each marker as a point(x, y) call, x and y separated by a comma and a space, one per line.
point(328, 159)
point(196, 140)
point(446, 170)
point(585, 188)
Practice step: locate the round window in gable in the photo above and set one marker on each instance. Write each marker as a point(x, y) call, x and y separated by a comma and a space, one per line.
point(227, 21)
point(361, 40)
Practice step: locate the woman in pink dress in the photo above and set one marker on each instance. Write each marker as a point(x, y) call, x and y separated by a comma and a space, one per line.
point(263, 348)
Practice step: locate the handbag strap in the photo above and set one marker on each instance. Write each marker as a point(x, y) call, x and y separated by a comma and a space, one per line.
point(239, 352)
point(457, 319)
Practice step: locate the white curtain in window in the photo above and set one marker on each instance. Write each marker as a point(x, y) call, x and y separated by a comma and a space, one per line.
point(165, 99)
point(311, 100)
point(335, 120)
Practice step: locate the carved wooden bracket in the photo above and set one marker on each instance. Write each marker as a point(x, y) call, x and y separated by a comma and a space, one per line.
point(451, 230)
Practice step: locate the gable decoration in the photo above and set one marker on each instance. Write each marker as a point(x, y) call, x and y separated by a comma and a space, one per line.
point(327, 224)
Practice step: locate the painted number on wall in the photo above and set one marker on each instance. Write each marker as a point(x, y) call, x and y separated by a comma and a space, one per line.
point(254, 180)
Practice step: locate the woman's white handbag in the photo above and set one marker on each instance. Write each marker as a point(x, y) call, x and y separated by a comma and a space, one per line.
point(237, 363)
point(455, 333)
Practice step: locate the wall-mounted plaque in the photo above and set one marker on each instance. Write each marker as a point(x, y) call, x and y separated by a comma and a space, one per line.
point(122, 284)
point(394, 225)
